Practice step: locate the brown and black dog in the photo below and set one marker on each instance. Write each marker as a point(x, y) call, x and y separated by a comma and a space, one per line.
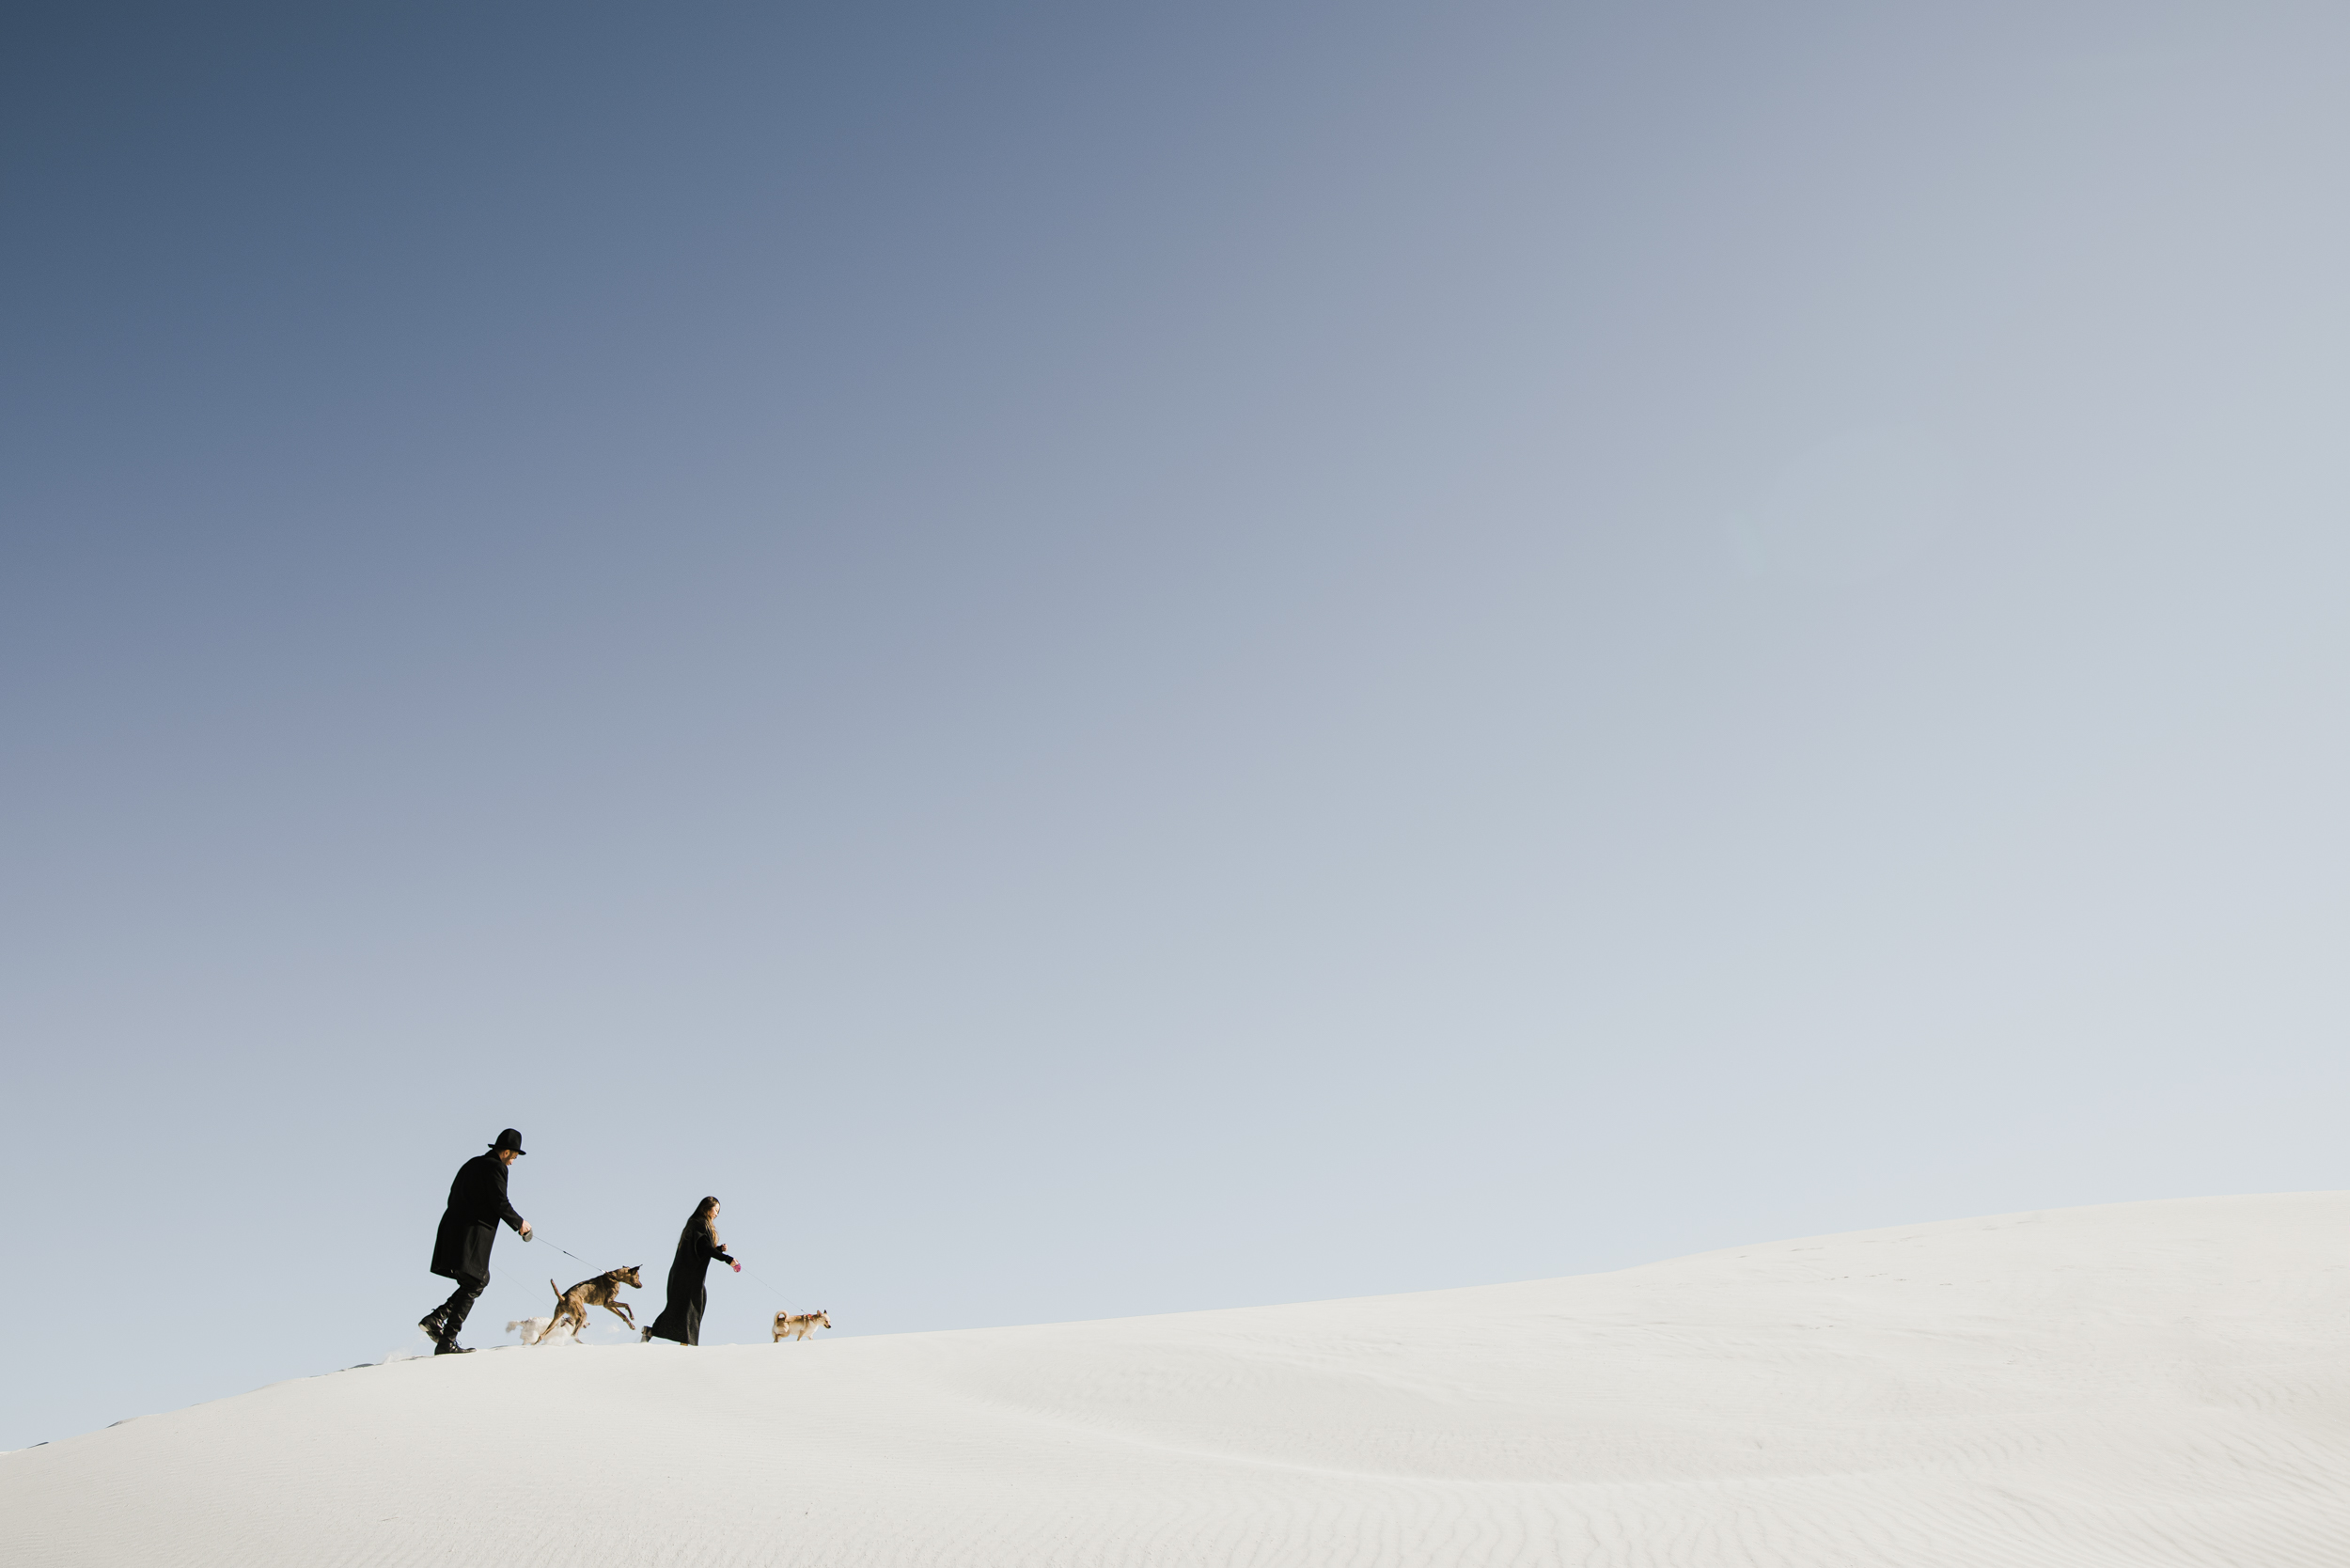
point(602, 1291)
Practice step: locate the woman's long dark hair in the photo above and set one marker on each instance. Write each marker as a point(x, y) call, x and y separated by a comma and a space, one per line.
point(698, 1223)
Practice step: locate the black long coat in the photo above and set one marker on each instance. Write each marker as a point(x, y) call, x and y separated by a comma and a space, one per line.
point(476, 1202)
point(681, 1319)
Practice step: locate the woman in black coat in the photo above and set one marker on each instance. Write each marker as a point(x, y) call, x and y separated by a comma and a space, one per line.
point(681, 1319)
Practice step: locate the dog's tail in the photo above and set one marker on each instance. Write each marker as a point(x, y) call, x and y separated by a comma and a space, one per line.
point(558, 1291)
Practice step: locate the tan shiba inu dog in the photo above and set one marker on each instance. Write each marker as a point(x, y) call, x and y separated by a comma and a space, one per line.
point(798, 1325)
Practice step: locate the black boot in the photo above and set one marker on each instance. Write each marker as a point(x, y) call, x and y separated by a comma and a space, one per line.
point(446, 1321)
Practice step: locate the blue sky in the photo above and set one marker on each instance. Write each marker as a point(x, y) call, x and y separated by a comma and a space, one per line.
point(1101, 663)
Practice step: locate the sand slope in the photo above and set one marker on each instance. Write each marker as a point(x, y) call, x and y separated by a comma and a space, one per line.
point(2156, 1382)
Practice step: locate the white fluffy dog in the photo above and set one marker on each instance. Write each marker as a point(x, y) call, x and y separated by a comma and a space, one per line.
point(535, 1329)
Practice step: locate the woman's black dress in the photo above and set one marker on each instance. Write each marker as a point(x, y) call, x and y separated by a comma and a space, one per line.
point(681, 1319)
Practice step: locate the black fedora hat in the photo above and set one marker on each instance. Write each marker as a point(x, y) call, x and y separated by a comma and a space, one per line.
point(510, 1139)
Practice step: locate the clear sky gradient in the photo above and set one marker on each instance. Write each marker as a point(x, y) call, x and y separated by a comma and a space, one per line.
point(1108, 660)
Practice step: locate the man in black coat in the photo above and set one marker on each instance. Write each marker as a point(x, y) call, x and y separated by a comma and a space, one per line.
point(461, 1251)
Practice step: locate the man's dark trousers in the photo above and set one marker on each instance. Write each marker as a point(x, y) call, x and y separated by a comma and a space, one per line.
point(451, 1314)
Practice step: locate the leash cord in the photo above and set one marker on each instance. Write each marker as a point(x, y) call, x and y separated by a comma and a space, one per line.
point(537, 1235)
point(764, 1280)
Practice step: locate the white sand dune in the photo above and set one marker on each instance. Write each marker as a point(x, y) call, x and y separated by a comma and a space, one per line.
point(2146, 1384)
